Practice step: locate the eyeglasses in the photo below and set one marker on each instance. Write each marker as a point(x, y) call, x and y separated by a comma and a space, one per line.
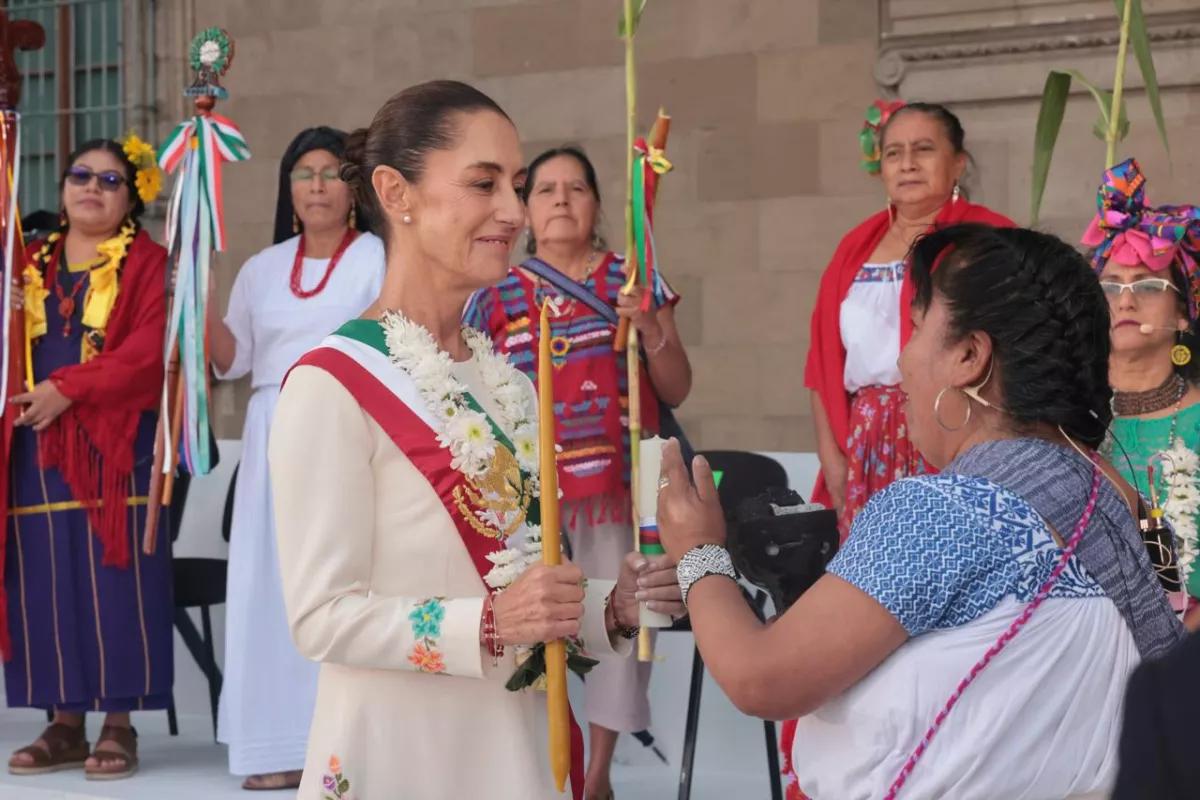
point(1143, 287)
point(109, 181)
point(307, 174)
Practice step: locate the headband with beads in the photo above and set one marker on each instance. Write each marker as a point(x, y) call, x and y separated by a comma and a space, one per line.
point(878, 113)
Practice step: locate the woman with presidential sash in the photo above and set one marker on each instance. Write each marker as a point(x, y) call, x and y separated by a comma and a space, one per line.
point(403, 464)
point(88, 623)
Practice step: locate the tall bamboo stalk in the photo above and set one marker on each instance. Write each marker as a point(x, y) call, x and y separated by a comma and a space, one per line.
point(1114, 116)
point(632, 359)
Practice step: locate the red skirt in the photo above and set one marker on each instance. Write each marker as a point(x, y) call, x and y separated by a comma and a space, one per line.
point(877, 454)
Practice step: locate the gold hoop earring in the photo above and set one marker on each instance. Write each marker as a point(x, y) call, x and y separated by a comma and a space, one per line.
point(295, 223)
point(937, 412)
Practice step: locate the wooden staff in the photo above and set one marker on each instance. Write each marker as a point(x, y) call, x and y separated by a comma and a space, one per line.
point(166, 443)
point(17, 378)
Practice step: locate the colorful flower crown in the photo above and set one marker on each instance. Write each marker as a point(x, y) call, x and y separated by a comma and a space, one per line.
point(149, 178)
point(1128, 230)
point(878, 113)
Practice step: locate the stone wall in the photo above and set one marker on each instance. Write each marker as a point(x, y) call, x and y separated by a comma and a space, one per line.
point(767, 98)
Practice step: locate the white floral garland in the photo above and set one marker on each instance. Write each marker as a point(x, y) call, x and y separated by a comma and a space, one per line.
point(461, 429)
point(1180, 469)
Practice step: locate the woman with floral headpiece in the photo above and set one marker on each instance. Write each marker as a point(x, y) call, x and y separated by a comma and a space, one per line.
point(86, 616)
point(861, 320)
point(1146, 258)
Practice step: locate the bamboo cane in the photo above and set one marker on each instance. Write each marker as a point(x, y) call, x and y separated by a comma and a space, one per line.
point(1114, 115)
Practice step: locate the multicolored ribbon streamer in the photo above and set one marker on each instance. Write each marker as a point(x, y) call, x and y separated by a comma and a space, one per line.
point(1129, 231)
point(195, 228)
point(649, 164)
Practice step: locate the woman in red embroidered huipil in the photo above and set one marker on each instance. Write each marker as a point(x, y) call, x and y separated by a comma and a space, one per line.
point(591, 398)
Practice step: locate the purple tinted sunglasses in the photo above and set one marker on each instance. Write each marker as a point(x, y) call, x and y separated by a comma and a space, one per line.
point(81, 176)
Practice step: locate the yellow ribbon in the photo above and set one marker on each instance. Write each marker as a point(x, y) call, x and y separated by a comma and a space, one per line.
point(657, 160)
point(35, 303)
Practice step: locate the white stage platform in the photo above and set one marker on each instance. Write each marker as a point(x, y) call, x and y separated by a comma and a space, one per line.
point(730, 752)
point(730, 761)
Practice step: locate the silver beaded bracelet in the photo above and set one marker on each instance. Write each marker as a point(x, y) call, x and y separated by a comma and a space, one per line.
point(700, 562)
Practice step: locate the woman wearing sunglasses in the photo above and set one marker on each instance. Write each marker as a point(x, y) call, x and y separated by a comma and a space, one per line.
point(86, 617)
point(1147, 261)
point(323, 270)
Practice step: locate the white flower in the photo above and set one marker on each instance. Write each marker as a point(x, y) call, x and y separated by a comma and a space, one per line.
point(526, 451)
point(209, 53)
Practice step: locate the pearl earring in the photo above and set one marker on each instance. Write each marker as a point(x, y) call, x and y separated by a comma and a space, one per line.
point(407, 219)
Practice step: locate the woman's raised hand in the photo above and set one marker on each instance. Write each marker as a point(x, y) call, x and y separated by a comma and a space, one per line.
point(543, 604)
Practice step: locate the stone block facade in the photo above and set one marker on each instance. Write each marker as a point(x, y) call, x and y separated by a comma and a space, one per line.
point(767, 98)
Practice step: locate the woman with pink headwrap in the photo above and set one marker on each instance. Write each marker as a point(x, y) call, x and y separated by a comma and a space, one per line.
point(1146, 258)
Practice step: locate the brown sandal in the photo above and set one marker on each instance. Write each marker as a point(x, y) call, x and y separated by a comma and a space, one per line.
point(114, 765)
point(66, 747)
point(274, 781)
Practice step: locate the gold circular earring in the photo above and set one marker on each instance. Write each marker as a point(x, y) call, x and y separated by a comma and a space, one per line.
point(937, 412)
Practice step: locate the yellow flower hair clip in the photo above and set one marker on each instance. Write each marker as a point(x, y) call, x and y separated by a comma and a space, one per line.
point(144, 157)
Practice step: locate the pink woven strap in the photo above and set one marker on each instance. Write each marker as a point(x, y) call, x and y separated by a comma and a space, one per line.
point(1004, 639)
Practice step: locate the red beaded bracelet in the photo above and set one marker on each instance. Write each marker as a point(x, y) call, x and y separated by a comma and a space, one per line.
point(491, 634)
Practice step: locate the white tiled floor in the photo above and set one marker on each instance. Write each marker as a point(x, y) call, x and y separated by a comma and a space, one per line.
point(730, 754)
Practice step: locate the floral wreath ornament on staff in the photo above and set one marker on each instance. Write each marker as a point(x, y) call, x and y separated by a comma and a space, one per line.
point(878, 114)
point(194, 151)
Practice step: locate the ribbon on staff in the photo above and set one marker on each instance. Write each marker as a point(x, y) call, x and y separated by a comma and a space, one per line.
point(649, 164)
point(196, 150)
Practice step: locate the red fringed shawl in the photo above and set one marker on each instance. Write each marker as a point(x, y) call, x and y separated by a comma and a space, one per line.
point(91, 443)
point(825, 371)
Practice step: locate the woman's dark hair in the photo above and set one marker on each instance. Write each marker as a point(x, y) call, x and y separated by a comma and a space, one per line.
point(404, 131)
point(1189, 337)
point(1039, 302)
point(117, 151)
point(950, 123)
point(589, 175)
point(318, 138)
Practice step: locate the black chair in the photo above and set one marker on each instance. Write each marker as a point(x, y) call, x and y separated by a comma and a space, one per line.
point(744, 475)
point(201, 583)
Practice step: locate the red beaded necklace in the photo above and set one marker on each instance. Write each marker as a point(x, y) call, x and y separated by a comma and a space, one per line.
point(66, 300)
point(298, 266)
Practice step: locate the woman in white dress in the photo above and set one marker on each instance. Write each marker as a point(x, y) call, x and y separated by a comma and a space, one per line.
point(320, 272)
point(973, 637)
point(404, 463)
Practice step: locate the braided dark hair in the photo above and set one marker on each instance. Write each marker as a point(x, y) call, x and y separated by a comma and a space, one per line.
point(1039, 302)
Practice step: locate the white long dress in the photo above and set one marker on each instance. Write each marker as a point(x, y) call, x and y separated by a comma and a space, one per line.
point(269, 690)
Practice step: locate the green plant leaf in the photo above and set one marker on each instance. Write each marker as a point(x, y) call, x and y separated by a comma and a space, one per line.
point(638, 7)
point(1049, 123)
point(1141, 48)
point(1050, 117)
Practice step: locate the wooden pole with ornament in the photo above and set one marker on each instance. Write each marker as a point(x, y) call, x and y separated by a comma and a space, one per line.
point(16, 372)
point(645, 162)
point(195, 151)
point(557, 706)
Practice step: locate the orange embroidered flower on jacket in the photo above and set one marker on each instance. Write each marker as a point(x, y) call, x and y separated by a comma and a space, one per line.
point(427, 659)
